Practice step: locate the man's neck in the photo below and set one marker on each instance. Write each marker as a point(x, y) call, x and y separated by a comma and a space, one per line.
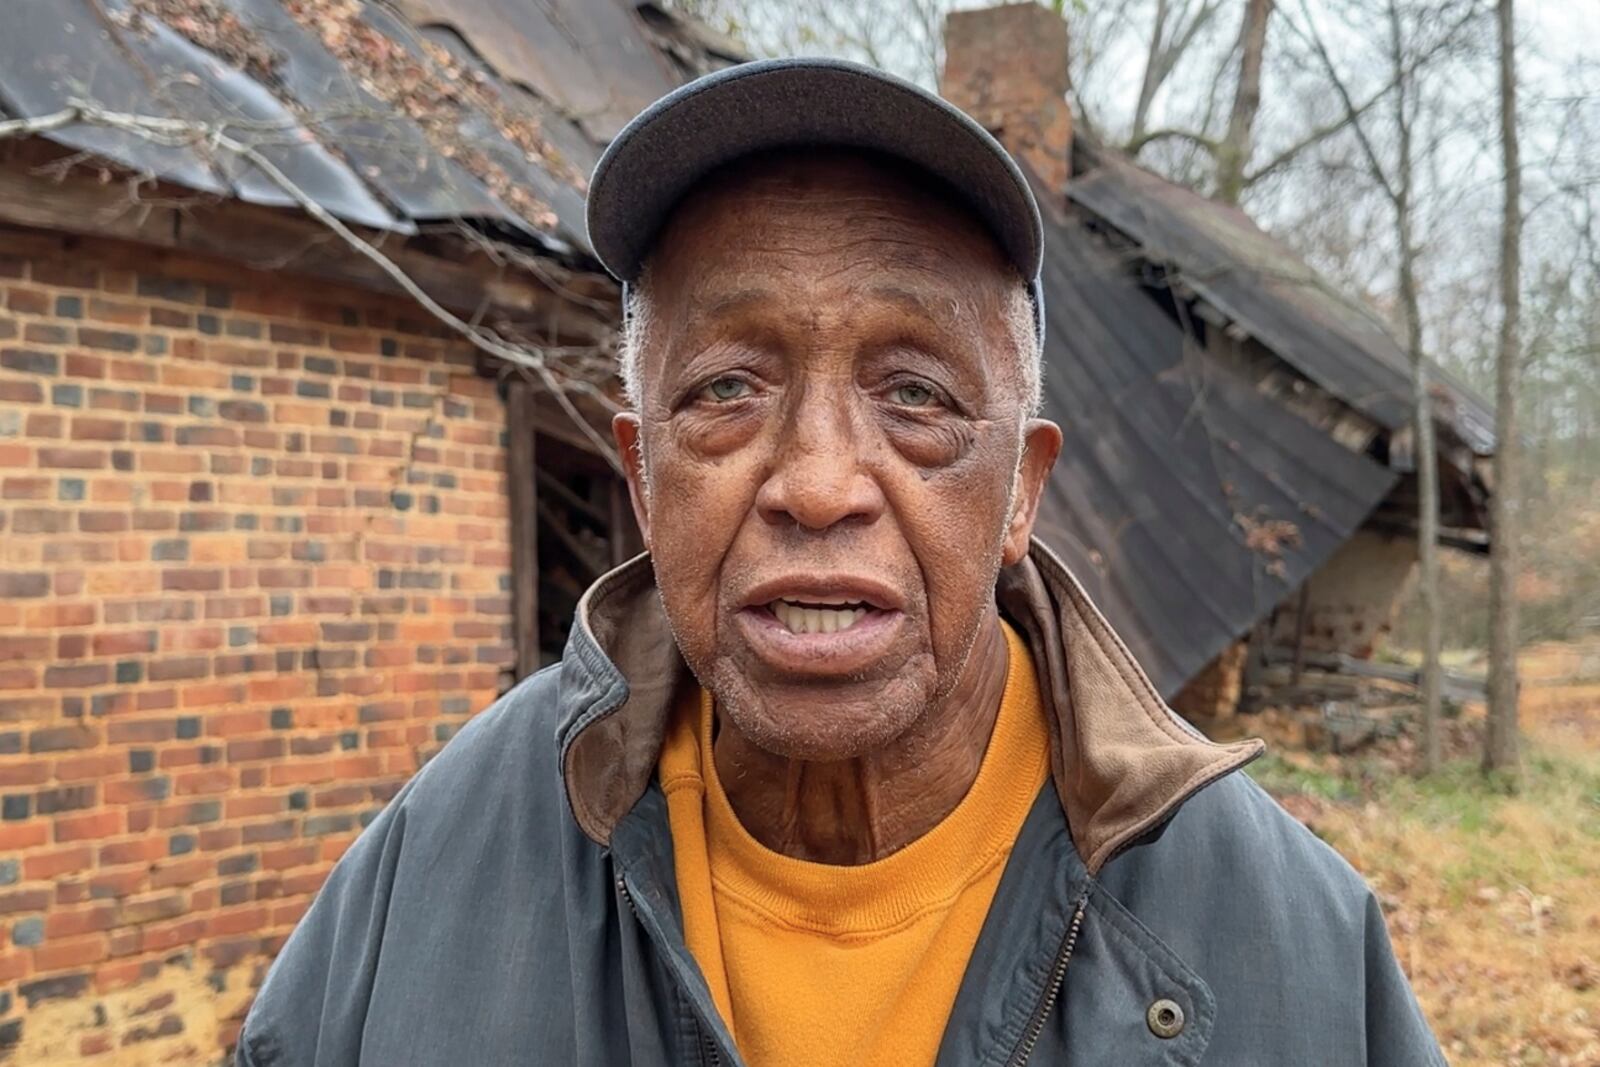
point(859, 810)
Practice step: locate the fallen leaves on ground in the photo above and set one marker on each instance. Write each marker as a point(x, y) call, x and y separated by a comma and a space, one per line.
point(1492, 897)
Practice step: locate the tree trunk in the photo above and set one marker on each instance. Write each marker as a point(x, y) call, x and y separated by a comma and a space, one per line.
point(1427, 545)
point(1427, 452)
point(1500, 752)
point(1233, 154)
point(1150, 84)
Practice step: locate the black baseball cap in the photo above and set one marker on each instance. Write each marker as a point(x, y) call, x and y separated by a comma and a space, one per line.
point(801, 103)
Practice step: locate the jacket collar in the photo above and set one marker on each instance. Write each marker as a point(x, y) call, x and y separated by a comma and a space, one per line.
point(1121, 760)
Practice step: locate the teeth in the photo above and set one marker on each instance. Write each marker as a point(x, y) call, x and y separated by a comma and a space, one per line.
point(815, 620)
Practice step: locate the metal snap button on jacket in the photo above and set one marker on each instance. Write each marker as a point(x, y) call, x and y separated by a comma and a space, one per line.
point(1165, 1018)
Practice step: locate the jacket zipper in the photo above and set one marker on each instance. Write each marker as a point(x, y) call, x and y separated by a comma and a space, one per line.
point(1058, 973)
point(627, 897)
point(1052, 991)
point(708, 1046)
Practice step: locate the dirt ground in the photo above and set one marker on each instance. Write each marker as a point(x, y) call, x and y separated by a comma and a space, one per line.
point(1492, 897)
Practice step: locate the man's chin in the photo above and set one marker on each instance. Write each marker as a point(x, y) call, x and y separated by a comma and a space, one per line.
point(821, 722)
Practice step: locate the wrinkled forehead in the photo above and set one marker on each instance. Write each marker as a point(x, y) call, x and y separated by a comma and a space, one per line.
point(838, 210)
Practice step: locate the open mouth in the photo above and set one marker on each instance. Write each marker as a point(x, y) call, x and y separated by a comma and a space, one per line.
point(818, 616)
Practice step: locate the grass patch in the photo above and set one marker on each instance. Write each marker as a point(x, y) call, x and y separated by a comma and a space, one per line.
point(1284, 776)
point(1489, 892)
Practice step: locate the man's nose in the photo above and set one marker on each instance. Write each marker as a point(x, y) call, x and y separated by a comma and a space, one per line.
point(818, 479)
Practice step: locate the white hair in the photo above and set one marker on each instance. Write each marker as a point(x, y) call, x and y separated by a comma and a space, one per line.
point(638, 315)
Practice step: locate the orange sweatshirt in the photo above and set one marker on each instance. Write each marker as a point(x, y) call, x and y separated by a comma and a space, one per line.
point(813, 964)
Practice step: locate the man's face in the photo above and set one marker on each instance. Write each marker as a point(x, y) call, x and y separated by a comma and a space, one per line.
point(835, 459)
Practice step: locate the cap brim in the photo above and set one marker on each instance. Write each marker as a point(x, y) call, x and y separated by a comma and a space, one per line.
point(794, 103)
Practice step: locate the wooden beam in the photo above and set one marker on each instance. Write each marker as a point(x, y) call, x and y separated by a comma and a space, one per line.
point(1302, 614)
point(273, 239)
point(522, 487)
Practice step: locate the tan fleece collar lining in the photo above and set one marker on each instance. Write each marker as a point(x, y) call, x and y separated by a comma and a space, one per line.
point(1122, 762)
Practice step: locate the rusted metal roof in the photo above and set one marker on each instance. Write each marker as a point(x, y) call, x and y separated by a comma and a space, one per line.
point(388, 115)
point(1265, 289)
point(1188, 504)
point(590, 59)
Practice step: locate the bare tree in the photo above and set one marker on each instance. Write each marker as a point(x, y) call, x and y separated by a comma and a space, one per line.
point(1233, 153)
point(1398, 185)
point(1500, 751)
point(1172, 31)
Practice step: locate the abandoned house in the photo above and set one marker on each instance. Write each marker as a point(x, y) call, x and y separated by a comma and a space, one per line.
point(305, 372)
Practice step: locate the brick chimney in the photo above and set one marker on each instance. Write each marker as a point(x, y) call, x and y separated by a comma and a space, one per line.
point(1007, 68)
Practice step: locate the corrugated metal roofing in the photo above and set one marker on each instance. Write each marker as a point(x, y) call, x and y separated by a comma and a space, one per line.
point(511, 149)
point(1334, 340)
point(588, 58)
point(1169, 459)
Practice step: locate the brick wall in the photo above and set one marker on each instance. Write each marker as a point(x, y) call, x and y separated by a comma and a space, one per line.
point(1353, 597)
point(253, 571)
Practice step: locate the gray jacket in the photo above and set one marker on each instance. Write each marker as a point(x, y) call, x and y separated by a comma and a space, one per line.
point(515, 903)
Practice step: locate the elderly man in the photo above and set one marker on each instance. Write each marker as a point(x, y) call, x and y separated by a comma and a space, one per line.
point(847, 770)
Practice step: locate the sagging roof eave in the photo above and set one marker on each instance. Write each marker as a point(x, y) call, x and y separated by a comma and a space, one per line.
point(1214, 306)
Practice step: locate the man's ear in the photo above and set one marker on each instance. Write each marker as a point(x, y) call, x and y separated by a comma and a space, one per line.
point(625, 429)
point(1041, 443)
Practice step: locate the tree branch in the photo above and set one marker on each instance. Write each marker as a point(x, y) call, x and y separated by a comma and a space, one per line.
point(1352, 116)
point(1315, 136)
point(1133, 147)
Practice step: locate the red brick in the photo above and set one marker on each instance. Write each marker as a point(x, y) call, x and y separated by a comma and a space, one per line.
point(139, 850)
point(125, 643)
point(180, 873)
point(15, 965)
point(52, 615)
point(23, 647)
point(83, 365)
point(306, 881)
point(304, 772)
point(172, 935)
point(89, 827)
point(283, 857)
point(59, 956)
point(152, 908)
point(117, 884)
point(261, 833)
point(114, 976)
point(15, 836)
point(17, 392)
point(26, 488)
point(127, 940)
point(91, 765)
point(253, 806)
point(86, 428)
point(259, 748)
point(45, 865)
point(63, 923)
point(73, 458)
point(167, 670)
point(19, 900)
point(217, 838)
point(201, 782)
point(290, 913)
point(235, 723)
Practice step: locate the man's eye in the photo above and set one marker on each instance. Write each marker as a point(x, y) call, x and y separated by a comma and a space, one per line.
point(725, 389)
point(913, 395)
